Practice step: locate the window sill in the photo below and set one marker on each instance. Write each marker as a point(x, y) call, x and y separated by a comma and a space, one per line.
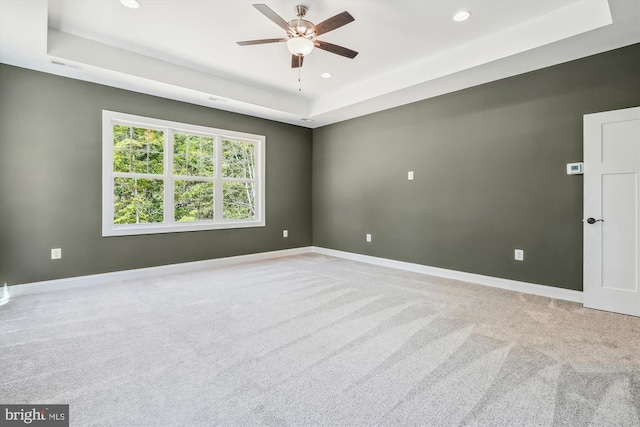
point(138, 229)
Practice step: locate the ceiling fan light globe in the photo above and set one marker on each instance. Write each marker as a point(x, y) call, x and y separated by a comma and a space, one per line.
point(300, 46)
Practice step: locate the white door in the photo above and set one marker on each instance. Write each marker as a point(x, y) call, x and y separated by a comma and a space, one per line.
point(611, 216)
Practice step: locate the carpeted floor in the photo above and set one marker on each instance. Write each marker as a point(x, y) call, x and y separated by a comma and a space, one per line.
point(313, 340)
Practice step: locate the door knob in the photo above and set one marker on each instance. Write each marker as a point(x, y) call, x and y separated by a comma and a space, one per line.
point(593, 220)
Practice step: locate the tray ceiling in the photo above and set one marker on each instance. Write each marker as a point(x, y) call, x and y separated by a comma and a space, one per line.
point(408, 50)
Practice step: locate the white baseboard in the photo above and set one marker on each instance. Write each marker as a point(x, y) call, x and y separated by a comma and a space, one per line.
point(139, 273)
point(5, 295)
point(495, 282)
point(96, 279)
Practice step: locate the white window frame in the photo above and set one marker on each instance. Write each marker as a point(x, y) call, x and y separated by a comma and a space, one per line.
point(169, 225)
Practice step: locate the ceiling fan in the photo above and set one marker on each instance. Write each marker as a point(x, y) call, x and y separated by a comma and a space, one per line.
point(301, 34)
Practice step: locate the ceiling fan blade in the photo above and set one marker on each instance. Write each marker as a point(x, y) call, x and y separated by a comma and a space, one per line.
point(296, 61)
point(334, 48)
point(335, 22)
point(266, 11)
point(263, 41)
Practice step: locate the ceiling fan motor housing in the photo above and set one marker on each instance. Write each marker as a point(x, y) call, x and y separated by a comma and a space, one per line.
point(302, 28)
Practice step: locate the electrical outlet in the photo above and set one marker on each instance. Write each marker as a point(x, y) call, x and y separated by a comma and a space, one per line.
point(410, 175)
point(285, 233)
point(519, 254)
point(369, 238)
point(56, 253)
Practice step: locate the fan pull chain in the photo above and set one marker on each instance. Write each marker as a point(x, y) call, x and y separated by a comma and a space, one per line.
point(299, 79)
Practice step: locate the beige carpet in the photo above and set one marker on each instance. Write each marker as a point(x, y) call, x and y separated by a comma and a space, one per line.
point(315, 340)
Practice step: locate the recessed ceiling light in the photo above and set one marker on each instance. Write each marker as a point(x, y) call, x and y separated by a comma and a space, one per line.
point(131, 4)
point(216, 99)
point(463, 15)
point(304, 119)
point(326, 75)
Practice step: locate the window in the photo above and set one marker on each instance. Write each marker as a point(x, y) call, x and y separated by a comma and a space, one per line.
point(161, 177)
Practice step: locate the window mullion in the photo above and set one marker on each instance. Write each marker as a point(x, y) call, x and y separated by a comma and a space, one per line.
point(169, 186)
point(217, 186)
point(138, 175)
point(193, 178)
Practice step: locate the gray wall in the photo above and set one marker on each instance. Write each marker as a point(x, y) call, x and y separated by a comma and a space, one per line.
point(50, 182)
point(489, 167)
point(490, 173)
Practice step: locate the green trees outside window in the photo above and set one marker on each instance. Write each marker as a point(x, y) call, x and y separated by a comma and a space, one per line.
point(139, 151)
point(238, 161)
point(163, 175)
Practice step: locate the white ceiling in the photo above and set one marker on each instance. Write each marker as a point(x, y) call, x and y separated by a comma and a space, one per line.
point(408, 49)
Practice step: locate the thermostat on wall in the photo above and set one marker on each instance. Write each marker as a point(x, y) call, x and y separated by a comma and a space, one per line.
point(574, 168)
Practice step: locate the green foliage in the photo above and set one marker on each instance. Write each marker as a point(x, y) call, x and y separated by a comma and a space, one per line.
point(193, 200)
point(138, 200)
point(239, 200)
point(238, 159)
point(141, 151)
point(193, 155)
point(138, 150)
